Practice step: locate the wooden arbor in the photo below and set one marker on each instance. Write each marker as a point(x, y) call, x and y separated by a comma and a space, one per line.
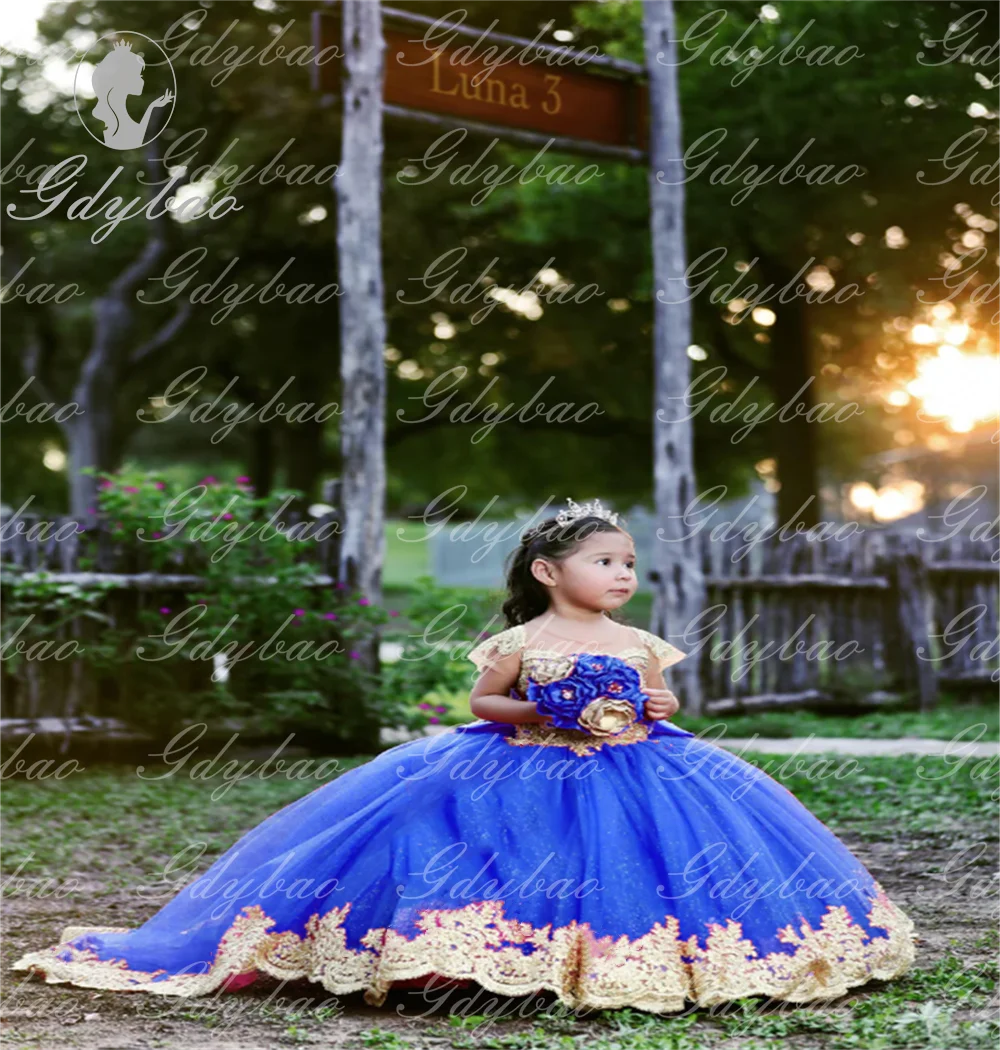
point(412, 67)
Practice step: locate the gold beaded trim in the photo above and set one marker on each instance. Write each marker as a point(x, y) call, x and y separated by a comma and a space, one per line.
point(538, 734)
point(656, 972)
point(557, 663)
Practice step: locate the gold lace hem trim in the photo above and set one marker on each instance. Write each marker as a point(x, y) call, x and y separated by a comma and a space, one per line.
point(657, 972)
point(580, 742)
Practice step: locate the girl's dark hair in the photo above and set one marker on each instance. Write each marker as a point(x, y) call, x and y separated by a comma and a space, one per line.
point(526, 596)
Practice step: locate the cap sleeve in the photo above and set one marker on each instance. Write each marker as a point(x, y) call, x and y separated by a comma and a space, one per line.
point(496, 647)
point(666, 654)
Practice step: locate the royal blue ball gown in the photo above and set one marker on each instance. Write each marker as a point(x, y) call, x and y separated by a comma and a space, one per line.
point(627, 864)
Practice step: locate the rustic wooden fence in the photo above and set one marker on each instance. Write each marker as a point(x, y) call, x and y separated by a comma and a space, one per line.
point(65, 692)
point(867, 617)
point(858, 620)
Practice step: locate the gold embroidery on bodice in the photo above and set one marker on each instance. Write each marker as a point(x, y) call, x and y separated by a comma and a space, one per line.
point(549, 665)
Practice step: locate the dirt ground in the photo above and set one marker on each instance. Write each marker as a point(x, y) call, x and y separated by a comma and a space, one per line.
point(951, 912)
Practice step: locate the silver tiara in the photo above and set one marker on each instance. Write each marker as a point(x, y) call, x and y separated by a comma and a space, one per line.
point(587, 510)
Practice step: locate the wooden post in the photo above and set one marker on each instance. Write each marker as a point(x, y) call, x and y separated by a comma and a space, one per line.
point(908, 576)
point(680, 588)
point(362, 308)
point(362, 313)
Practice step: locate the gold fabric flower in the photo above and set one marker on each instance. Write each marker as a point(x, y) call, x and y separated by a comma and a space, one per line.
point(606, 717)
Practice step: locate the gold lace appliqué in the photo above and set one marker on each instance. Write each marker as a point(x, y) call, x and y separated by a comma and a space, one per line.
point(559, 663)
point(657, 971)
point(497, 646)
point(537, 734)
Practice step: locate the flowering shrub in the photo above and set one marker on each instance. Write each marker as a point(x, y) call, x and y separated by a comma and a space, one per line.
point(256, 639)
point(444, 624)
point(446, 707)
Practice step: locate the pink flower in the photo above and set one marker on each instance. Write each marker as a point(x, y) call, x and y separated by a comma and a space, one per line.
point(131, 488)
point(107, 484)
point(227, 515)
point(158, 485)
point(483, 634)
point(363, 601)
point(341, 586)
point(91, 510)
point(300, 612)
point(164, 610)
point(242, 480)
point(329, 616)
point(355, 655)
point(393, 612)
point(424, 706)
point(210, 480)
point(157, 535)
point(441, 710)
point(434, 720)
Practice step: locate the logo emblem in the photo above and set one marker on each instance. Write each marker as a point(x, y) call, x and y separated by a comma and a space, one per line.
point(118, 66)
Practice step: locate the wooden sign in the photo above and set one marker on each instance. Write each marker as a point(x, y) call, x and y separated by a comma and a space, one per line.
point(561, 99)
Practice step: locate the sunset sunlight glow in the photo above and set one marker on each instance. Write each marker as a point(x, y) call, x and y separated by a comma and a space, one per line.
point(957, 388)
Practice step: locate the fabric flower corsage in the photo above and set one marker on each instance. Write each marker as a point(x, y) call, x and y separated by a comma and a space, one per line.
point(603, 696)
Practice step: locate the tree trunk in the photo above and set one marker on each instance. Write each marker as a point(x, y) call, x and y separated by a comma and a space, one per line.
point(88, 446)
point(362, 314)
point(262, 460)
point(303, 455)
point(362, 309)
point(113, 355)
point(794, 439)
point(680, 590)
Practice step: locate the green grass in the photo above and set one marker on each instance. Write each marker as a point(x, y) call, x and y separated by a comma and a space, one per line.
point(918, 795)
point(961, 722)
point(978, 722)
point(408, 557)
point(134, 823)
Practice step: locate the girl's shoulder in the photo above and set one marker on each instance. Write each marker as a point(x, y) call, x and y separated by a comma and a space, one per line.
point(497, 646)
point(666, 654)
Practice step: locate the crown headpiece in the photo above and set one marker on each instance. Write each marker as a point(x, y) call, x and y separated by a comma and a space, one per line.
point(586, 510)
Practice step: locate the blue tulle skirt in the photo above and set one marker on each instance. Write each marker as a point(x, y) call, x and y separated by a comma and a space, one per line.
point(646, 873)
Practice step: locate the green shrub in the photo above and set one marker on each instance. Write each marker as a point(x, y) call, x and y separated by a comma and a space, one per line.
point(445, 624)
point(294, 651)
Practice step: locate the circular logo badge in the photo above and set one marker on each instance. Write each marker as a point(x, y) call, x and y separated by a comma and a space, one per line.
point(116, 67)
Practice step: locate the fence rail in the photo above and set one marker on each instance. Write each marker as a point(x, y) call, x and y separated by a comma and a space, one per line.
point(787, 623)
point(873, 616)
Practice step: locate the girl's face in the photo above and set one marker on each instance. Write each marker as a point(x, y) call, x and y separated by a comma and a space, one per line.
point(599, 574)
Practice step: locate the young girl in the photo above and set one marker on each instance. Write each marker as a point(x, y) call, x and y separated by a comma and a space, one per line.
point(572, 839)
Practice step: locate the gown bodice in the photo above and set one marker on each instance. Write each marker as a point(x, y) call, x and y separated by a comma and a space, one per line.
point(543, 666)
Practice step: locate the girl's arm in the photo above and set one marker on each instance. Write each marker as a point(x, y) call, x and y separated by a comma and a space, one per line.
point(489, 698)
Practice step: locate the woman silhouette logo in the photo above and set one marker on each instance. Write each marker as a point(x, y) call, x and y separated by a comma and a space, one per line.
point(118, 75)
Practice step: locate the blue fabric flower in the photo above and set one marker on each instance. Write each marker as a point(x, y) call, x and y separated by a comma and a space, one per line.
point(593, 677)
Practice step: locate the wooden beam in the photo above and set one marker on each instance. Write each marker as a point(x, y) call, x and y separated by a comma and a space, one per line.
point(394, 15)
point(151, 581)
point(528, 138)
point(785, 582)
point(584, 100)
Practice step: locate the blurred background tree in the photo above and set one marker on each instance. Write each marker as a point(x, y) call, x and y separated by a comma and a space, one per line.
point(890, 233)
